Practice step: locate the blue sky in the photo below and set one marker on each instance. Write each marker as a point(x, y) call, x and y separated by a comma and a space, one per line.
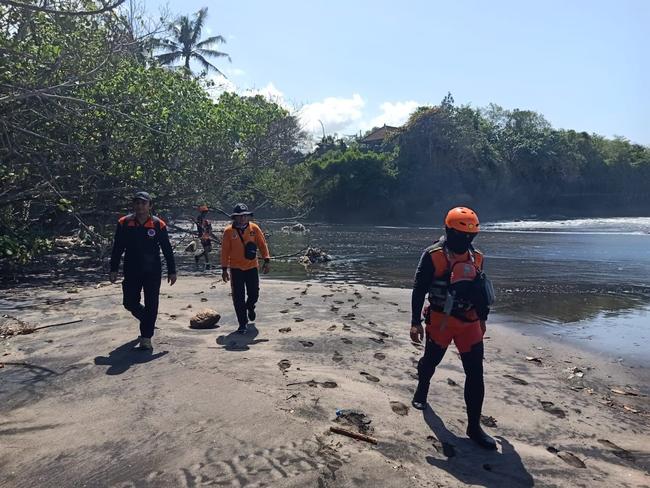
point(584, 65)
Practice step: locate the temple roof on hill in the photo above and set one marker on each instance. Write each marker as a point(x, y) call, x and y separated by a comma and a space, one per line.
point(379, 134)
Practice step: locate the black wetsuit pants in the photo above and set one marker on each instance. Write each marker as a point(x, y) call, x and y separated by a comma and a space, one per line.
point(244, 283)
point(132, 286)
point(473, 366)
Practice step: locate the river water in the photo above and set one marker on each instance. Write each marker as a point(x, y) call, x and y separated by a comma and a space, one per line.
point(585, 280)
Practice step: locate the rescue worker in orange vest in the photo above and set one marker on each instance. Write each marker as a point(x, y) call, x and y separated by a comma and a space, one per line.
point(459, 295)
point(203, 230)
point(141, 236)
point(239, 249)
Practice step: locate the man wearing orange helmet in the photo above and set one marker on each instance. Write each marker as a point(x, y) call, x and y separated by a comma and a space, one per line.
point(204, 230)
point(459, 294)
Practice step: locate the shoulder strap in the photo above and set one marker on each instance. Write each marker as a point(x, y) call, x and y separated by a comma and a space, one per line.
point(240, 234)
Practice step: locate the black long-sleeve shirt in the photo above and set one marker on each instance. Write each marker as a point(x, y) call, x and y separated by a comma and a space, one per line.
point(141, 245)
point(423, 279)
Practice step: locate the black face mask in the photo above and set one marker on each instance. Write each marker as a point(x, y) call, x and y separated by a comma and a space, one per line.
point(458, 242)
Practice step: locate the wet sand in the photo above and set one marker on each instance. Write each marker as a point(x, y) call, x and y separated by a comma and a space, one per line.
point(80, 407)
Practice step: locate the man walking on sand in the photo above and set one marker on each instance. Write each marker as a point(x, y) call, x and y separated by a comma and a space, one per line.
point(141, 236)
point(450, 271)
point(239, 247)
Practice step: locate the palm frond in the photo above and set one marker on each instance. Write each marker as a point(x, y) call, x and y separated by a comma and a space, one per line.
point(212, 40)
point(166, 44)
point(211, 53)
point(198, 24)
point(207, 65)
point(169, 58)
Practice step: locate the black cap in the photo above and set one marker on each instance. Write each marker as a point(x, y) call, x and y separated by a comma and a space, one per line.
point(240, 209)
point(142, 195)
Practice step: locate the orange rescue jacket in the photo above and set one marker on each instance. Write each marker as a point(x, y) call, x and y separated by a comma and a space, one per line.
point(232, 247)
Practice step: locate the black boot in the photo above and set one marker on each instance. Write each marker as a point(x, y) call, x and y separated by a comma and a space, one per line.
point(419, 401)
point(481, 438)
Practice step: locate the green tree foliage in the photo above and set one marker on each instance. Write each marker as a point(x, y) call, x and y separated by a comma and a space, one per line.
point(184, 43)
point(84, 122)
point(348, 183)
point(503, 162)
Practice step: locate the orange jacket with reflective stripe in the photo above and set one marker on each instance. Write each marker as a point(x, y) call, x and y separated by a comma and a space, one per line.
point(232, 248)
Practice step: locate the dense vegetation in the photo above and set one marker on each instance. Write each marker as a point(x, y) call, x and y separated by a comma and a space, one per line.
point(87, 116)
point(90, 112)
point(505, 163)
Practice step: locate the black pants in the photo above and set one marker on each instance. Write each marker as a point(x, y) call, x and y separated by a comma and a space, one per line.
point(207, 248)
point(132, 285)
point(474, 386)
point(243, 283)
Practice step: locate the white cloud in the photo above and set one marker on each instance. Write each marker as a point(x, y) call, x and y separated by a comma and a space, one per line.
point(221, 84)
point(339, 115)
point(394, 114)
point(271, 93)
point(235, 72)
point(335, 113)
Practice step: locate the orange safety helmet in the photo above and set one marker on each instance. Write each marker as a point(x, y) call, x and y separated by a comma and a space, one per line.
point(203, 208)
point(462, 219)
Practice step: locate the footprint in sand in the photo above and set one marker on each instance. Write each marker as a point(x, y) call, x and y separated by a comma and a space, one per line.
point(516, 380)
point(399, 408)
point(350, 299)
point(327, 296)
point(284, 365)
point(297, 304)
point(338, 302)
point(286, 310)
point(331, 328)
point(356, 305)
point(369, 377)
point(334, 309)
point(552, 409)
point(380, 355)
point(617, 450)
point(347, 327)
point(284, 330)
point(290, 298)
point(337, 357)
point(376, 339)
point(346, 340)
point(307, 343)
point(298, 319)
point(314, 384)
point(349, 316)
point(567, 457)
point(393, 303)
point(445, 448)
point(304, 292)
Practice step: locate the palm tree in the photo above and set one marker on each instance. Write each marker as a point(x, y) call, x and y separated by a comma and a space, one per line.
point(184, 45)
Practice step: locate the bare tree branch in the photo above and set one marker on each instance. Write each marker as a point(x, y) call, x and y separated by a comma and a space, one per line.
point(38, 8)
